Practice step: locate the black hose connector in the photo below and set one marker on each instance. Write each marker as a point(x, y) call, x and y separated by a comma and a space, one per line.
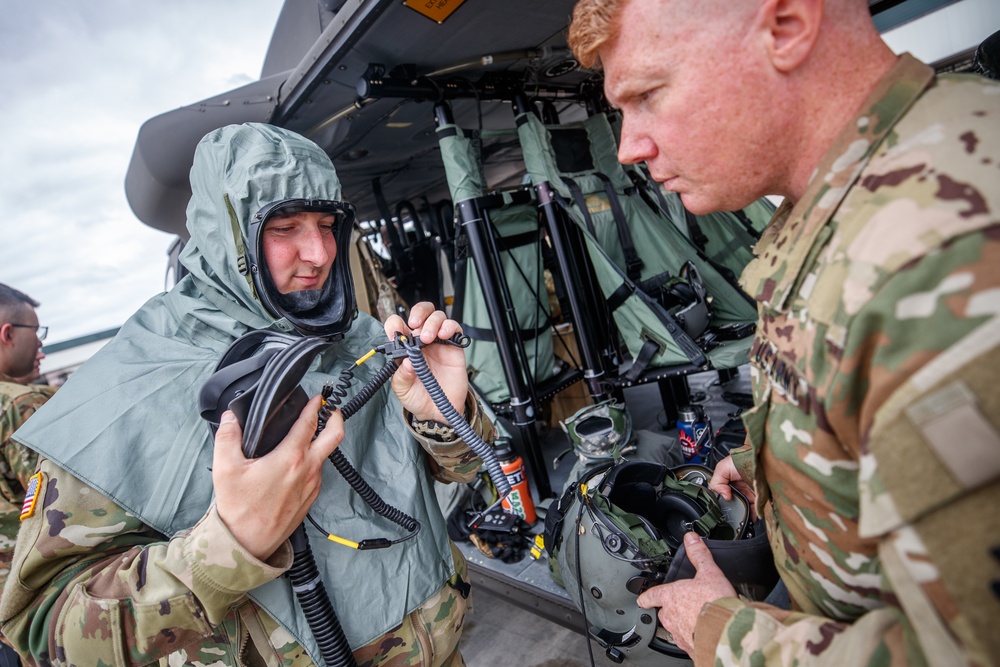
point(332, 395)
point(316, 605)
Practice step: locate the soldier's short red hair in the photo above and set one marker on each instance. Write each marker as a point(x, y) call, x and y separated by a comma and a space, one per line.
point(595, 22)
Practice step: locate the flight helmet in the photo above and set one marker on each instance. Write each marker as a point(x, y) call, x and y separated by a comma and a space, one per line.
point(620, 531)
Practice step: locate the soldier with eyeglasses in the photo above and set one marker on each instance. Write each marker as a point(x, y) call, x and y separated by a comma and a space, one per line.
point(20, 353)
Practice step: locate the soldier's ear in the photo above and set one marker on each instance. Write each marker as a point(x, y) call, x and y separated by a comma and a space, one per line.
point(791, 28)
point(6, 334)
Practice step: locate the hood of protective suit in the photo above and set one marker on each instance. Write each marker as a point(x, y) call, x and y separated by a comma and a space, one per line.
point(238, 170)
point(127, 423)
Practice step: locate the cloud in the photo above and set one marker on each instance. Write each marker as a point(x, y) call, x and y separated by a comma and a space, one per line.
point(81, 78)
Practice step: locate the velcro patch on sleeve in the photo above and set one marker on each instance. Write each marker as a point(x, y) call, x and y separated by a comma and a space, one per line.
point(31, 496)
point(967, 443)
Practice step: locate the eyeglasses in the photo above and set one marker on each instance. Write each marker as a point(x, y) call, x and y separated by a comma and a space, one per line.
point(40, 331)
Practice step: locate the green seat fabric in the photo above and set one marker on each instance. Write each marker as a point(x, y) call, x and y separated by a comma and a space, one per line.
point(575, 153)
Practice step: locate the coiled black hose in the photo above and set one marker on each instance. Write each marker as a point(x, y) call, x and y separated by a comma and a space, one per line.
point(455, 420)
point(332, 395)
point(304, 575)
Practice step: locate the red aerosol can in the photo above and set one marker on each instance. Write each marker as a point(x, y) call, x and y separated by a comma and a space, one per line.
point(519, 501)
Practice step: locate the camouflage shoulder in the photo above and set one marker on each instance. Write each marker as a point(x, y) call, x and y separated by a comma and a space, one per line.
point(932, 466)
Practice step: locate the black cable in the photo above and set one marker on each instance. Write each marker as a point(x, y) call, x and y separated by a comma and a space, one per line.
point(316, 605)
point(304, 575)
point(579, 580)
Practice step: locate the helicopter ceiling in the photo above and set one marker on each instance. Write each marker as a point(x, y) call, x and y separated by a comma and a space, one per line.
point(361, 78)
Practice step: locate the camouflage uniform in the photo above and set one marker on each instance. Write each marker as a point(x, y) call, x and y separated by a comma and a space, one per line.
point(117, 578)
point(875, 441)
point(17, 463)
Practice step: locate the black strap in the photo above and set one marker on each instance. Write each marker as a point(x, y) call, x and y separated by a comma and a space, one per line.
point(581, 204)
point(694, 229)
point(507, 243)
point(644, 184)
point(620, 295)
point(479, 333)
point(646, 354)
point(633, 264)
point(655, 284)
point(742, 217)
point(461, 259)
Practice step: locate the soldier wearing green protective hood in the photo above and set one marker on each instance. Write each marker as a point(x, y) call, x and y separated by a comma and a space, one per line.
point(149, 543)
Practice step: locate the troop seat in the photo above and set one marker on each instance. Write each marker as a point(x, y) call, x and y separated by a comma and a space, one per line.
point(500, 296)
point(636, 254)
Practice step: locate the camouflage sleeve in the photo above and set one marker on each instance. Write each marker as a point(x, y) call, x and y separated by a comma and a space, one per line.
point(20, 461)
point(451, 460)
point(928, 413)
point(91, 584)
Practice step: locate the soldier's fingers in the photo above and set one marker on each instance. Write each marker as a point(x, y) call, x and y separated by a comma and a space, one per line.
point(395, 323)
point(653, 597)
point(725, 473)
point(431, 326)
point(449, 328)
point(698, 553)
point(228, 441)
point(419, 313)
point(330, 437)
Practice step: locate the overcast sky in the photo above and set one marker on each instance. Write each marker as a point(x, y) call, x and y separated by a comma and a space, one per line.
point(79, 78)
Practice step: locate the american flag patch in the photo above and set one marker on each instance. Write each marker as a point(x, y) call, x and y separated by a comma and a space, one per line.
point(31, 496)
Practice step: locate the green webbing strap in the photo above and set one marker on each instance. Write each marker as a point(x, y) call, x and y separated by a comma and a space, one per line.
point(581, 204)
point(632, 526)
point(242, 265)
point(712, 520)
point(633, 264)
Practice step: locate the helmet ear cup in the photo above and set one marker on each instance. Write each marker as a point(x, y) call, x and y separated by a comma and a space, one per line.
point(673, 514)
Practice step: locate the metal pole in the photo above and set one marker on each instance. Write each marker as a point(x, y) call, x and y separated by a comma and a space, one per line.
point(523, 403)
point(583, 316)
point(505, 328)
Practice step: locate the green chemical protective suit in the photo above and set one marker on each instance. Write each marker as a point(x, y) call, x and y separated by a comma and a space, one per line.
point(126, 561)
